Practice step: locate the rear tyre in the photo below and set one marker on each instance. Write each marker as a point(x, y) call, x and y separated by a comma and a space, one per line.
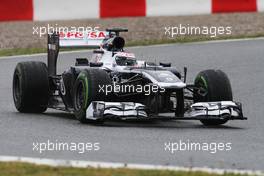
point(216, 87)
point(31, 87)
point(86, 89)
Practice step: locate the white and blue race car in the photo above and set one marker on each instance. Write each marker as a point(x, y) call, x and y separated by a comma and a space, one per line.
point(113, 84)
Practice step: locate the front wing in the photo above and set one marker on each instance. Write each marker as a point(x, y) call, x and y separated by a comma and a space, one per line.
point(226, 110)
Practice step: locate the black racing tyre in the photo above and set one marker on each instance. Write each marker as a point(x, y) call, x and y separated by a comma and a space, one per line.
point(180, 103)
point(216, 86)
point(86, 89)
point(31, 87)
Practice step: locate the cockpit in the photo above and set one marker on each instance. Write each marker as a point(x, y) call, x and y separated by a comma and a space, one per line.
point(125, 61)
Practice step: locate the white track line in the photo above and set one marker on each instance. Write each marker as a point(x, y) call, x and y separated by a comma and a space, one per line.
point(92, 164)
point(148, 46)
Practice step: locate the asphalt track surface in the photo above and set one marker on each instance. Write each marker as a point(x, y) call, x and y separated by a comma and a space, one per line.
point(143, 143)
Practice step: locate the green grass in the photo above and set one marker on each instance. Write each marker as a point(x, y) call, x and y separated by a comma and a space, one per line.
point(21, 51)
point(183, 39)
point(25, 169)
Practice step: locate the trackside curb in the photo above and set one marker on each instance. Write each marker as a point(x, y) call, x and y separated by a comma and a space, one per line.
point(93, 164)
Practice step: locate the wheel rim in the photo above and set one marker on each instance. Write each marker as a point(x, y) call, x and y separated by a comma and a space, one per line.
point(203, 88)
point(16, 88)
point(80, 96)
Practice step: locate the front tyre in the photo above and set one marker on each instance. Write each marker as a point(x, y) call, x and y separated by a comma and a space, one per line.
point(87, 89)
point(213, 85)
point(31, 87)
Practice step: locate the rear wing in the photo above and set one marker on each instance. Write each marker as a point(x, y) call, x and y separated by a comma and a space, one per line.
point(93, 39)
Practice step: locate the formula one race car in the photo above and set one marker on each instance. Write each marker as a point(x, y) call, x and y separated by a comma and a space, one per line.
point(113, 84)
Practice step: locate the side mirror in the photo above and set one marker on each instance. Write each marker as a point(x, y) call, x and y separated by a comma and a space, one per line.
point(96, 64)
point(165, 64)
point(81, 62)
point(98, 51)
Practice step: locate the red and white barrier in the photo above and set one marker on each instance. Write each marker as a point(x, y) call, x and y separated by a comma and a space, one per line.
point(260, 5)
point(177, 7)
point(40, 10)
point(16, 10)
